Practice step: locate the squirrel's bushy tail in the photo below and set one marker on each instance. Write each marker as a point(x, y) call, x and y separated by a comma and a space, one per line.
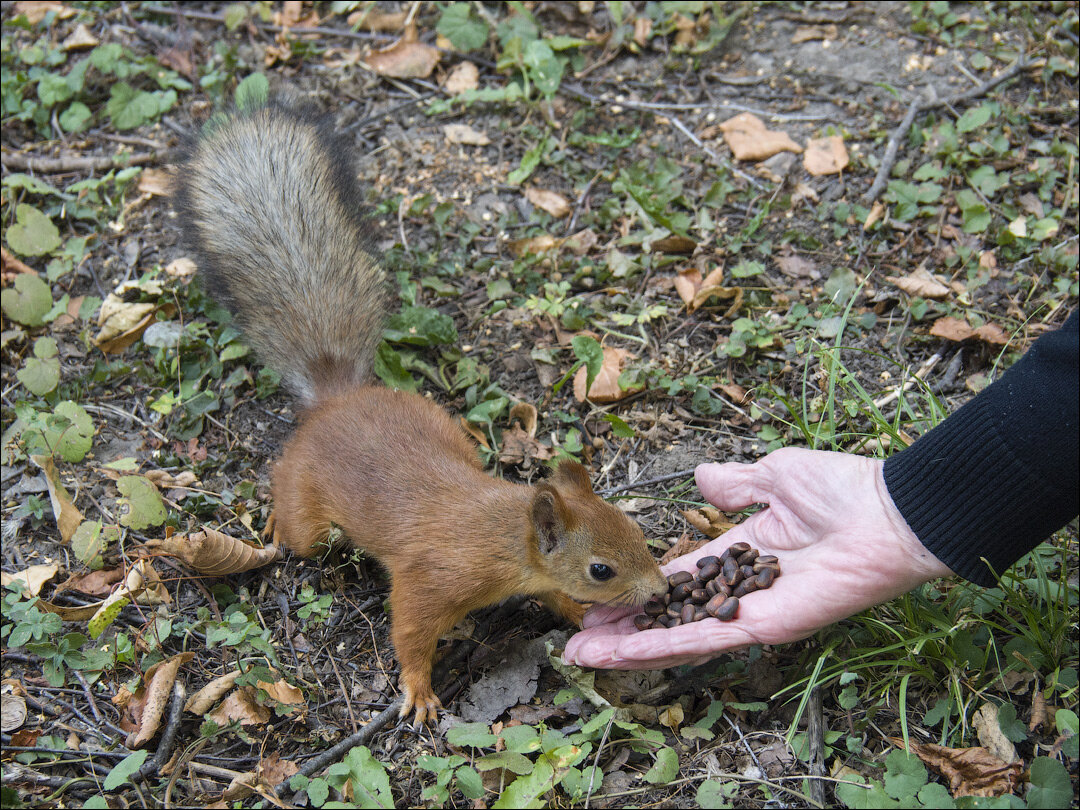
point(271, 211)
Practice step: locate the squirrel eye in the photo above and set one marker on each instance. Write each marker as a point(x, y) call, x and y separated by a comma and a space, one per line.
point(601, 572)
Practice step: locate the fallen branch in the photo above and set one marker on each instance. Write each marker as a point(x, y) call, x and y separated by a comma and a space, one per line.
point(77, 163)
point(918, 105)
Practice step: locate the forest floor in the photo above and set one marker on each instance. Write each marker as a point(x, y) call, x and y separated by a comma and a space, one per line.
point(557, 190)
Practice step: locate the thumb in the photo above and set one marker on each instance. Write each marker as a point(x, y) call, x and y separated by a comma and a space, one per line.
point(734, 486)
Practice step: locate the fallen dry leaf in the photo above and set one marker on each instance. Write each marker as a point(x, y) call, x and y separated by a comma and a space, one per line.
point(372, 18)
point(148, 705)
point(672, 717)
point(35, 10)
point(156, 182)
point(605, 387)
point(121, 323)
point(1039, 715)
point(82, 613)
point(181, 268)
point(534, 244)
point(555, 204)
point(405, 59)
point(464, 134)
point(642, 29)
point(464, 76)
point(970, 771)
point(526, 413)
point(581, 242)
point(736, 393)
point(686, 544)
point(80, 39)
point(94, 583)
point(474, 431)
point(803, 192)
point(958, 330)
point(673, 244)
point(921, 283)
point(145, 584)
point(32, 578)
point(825, 155)
point(695, 291)
point(985, 723)
point(201, 701)
point(274, 770)
point(796, 266)
point(282, 691)
point(67, 516)
point(517, 447)
point(242, 706)
point(708, 521)
point(215, 554)
point(877, 211)
point(165, 480)
point(749, 139)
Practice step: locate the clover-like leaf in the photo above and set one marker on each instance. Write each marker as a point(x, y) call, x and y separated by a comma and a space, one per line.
point(145, 507)
point(28, 300)
point(41, 373)
point(33, 233)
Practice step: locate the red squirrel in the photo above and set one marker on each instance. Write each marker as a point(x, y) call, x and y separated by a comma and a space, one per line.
point(272, 211)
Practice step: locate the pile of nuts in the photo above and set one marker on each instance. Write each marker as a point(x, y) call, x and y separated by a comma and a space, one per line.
point(714, 591)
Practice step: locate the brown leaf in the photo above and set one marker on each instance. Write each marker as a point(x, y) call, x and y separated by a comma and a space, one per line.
point(605, 387)
point(215, 554)
point(35, 10)
point(877, 211)
point(274, 770)
point(241, 705)
point(464, 134)
point(642, 29)
point(156, 182)
point(94, 583)
point(736, 393)
point(121, 323)
point(796, 266)
point(672, 717)
point(201, 701)
point(149, 703)
point(32, 578)
point(82, 613)
point(464, 76)
point(526, 413)
point(581, 242)
point(708, 521)
point(673, 244)
point(474, 431)
point(807, 33)
point(165, 480)
point(534, 244)
point(550, 201)
point(518, 447)
point(825, 155)
point(12, 712)
point(10, 265)
point(80, 39)
point(970, 771)
point(372, 18)
point(181, 268)
point(958, 330)
point(749, 139)
point(283, 692)
point(1039, 715)
point(686, 544)
point(921, 283)
point(67, 516)
point(405, 59)
point(145, 584)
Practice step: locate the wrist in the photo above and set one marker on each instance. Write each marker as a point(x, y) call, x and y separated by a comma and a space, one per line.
point(923, 566)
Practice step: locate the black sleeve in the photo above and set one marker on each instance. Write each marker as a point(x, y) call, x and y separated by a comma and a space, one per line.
point(1000, 475)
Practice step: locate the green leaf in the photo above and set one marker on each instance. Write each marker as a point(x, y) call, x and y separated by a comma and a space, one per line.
point(591, 353)
point(529, 161)
point(511, 760)
point(41, 373)
point(525, 790)
point(129, 108)
point(465, 30)
point(469, 782)
point(935, 794)
point(1012, 728)
point(370, 781)
point(545, 69)
point(124, 769)
point(712, 794)
point(390, 368)
point(1050, 784)
point(858, 797)
point(904, 775)
point(145, 507)
point(420, 326)
point(89, 542)
point(665, 769)
point(33, 234)
point(67, 432)
point(974, 118)
point(841, 285)
point(619, 427)
point(235, 13)
point(253, 92)
point(474, 735)
point(746, 269)
point(108, 612)
point(76, 117)
point(1068, 726)
point(53, 89)
point(938, 712)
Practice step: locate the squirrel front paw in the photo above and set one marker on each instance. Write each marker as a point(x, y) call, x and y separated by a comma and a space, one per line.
point(421, 699)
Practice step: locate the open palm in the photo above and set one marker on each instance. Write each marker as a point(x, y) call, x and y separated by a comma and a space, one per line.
point(842, 544)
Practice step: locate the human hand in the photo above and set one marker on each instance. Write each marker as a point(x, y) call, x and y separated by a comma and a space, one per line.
point(843, 547)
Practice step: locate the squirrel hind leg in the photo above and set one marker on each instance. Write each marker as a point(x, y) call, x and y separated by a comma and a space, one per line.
point(304, 537)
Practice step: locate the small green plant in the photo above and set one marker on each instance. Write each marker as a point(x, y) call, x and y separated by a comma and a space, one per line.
point(316, 607)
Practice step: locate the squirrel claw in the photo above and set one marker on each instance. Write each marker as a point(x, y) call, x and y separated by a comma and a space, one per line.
point(425, 704)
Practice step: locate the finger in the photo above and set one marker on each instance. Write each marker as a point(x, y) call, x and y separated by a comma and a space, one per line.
point(709, 638)
point(606, 614)
point(597, 646)
point(734, 486)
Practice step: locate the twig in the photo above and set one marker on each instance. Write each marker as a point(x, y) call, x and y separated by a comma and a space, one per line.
point(78, 163)
point(647, 482)
point(925, 369)
point(295, 29)
point(918, 105)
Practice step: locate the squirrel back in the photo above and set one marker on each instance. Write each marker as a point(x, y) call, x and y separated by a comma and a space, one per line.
point(272, 211)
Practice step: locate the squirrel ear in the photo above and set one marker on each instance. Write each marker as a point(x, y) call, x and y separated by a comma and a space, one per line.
point(547, 519)
point(572, 474)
